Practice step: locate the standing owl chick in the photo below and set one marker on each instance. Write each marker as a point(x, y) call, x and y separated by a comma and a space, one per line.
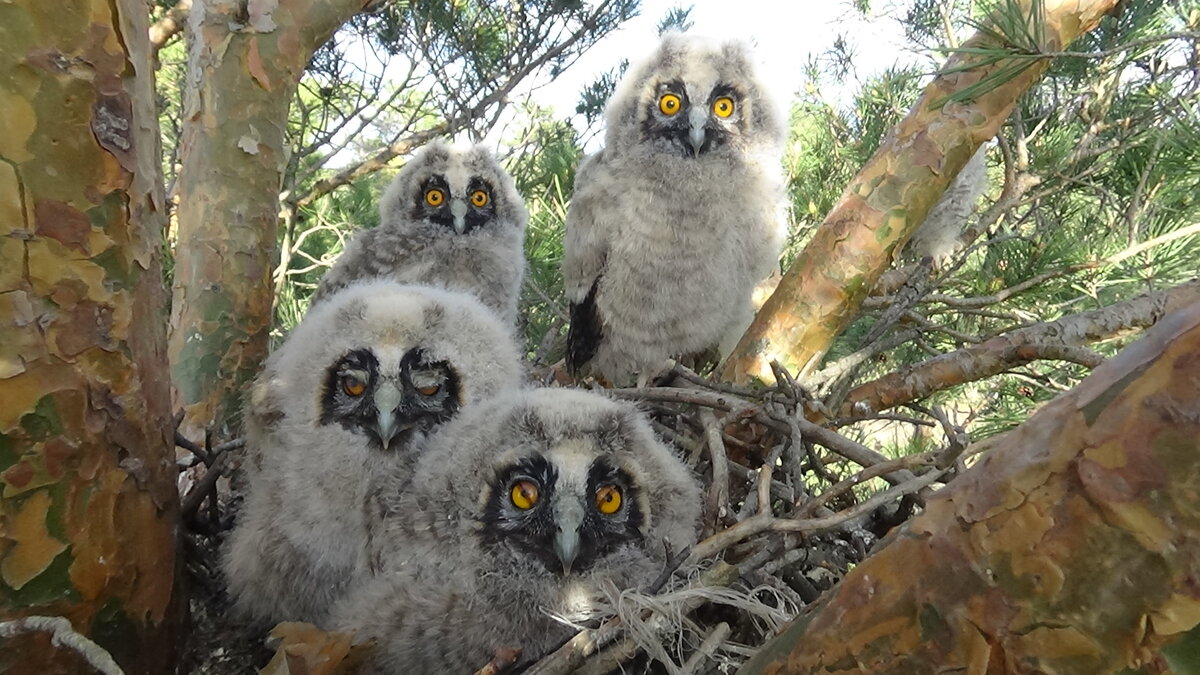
point(450, 218)
point(353, 391)
point(679, 216)
point(522, 510)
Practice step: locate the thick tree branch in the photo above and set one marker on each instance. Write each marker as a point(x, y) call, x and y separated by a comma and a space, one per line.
point(1039, 558)
point(1046, 340)
point(889, 198)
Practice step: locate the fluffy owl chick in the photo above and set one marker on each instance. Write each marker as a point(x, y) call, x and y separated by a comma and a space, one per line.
point(937, 236)
point(355, 390)
point(450, 218)
point(516, 518)
point(679, 216)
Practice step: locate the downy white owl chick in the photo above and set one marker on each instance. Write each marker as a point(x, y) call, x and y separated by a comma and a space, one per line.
point(450, 218)
point(523, 509)
point(679, 216)
point(938, 235)
point(354, 391)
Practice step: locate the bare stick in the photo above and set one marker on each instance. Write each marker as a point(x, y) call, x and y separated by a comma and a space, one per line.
point(718, 492)
point(62, 634)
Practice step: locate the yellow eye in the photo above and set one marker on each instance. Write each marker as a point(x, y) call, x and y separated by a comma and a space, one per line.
point(608, 499)
point(434, 197)
point(480, 198)
point(723, 107)
point(524, 494)
point(353, 386)
point(429, 390)
point(669, 104)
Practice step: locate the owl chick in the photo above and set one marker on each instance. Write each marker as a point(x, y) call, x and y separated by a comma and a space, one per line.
point(450, 218)
point(354, 391)
point(520, 513)
point(679, 216)
point(938, 235)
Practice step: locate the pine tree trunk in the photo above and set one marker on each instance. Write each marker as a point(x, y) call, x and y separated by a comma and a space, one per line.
point(245, 61)
point(89, 510)
point(1071, 548)
point(885, 203)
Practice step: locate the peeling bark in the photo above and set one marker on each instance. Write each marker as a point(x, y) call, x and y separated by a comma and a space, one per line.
point(88, 512)
point(1039, 341)
point(826, 285)
point(246, 59)
point(1071, 548)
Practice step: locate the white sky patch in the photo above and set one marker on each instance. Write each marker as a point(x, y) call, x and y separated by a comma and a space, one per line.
point(784, 35)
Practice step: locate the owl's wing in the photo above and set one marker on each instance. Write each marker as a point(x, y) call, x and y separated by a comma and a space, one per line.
point(347, 269)
point(585, 249)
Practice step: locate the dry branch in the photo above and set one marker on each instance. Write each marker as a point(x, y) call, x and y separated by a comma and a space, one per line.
point(1052, 339)
point(1069, 548)
point(890, 197)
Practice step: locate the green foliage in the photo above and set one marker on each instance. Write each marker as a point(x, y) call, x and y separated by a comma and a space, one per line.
point(676, 19)
point(1111, 133)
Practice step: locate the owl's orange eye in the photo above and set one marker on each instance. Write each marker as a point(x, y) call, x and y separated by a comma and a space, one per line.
point(668, 104)
point(608, 499)
point(353, 386)
point(429, 390)
point(434, 197)
point(524, 494)
point(480, 198)
point(723, 107)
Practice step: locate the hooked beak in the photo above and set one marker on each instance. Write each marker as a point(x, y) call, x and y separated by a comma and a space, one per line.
point(458, 209)
point(566, 542)
point(387, 399)
point(697, 134)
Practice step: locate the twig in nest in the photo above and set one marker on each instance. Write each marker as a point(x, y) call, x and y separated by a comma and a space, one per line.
point(505, 658)
point(682, 371)
point(957, 439)
point(62, 634)
point(706, 649)
point(192, 448)
point(860, 477)
point(765, 522)
point(203, 487)
point(718, 491)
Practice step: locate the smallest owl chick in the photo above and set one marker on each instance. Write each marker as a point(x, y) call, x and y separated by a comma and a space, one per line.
point(451, 218)
point(518, 518)
point(937, 236)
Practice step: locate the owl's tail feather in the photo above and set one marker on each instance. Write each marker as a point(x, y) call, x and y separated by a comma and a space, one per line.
point(585, 333)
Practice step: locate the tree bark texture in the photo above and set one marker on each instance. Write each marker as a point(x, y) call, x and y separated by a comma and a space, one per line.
point(88, 509)
point(885, 203)
point(1003, 352)
point(245, 59)
point(1072, 547)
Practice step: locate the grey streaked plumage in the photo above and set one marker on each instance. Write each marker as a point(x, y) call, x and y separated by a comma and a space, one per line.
point(937, 236)
point(679, 216)
point(455, 244)
point(353, 391)
point(465, 570)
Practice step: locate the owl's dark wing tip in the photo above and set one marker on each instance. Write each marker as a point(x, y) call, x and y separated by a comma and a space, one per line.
point(584, 334)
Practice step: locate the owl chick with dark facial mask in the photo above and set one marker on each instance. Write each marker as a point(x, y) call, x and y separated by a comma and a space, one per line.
point(681, 214)
point(451, 219)
point(517, 518)
point(354, 392)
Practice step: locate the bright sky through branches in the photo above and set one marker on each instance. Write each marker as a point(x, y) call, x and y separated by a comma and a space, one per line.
point(784, 35)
